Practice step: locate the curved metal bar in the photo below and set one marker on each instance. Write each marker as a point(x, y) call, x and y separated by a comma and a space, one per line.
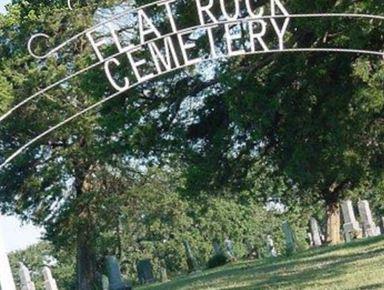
point(57, 48)
point(29, 45)
point(39, 93)
point(70, 5)
point(97, 104)
point(10, 111)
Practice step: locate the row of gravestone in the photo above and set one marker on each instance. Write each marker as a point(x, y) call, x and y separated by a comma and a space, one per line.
point(27, 283)
point(351, 227)
point(351, 230)
point(114, 281)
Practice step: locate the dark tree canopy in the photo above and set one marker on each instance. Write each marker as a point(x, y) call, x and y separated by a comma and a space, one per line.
point(310, 123)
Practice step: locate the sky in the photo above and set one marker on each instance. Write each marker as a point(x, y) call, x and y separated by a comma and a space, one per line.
point(15, 235)
point(2, 3)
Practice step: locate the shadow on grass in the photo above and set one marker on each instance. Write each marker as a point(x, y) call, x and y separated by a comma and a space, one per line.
point(304, 270)
point(308, 275)
point(372, 286)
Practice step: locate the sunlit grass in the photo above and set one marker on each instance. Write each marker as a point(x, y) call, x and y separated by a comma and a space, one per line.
point(358, 265)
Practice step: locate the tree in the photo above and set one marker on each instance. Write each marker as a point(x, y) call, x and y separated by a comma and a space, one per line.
point(313, 117)
point(49, 184)
point(154, 217)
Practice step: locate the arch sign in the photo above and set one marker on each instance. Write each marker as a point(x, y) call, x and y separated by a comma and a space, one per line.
point(208, 22)
point(143, 51)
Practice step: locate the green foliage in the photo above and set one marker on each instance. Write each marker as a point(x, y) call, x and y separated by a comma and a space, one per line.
point(150, 218)
point(297, 127)
point(155, 217)
point(5, 94)
point(43, 254)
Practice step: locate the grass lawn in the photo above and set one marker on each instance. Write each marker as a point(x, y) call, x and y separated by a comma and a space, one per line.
point(357, 265)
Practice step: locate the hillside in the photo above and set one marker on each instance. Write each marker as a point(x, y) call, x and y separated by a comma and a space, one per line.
point(358, 265)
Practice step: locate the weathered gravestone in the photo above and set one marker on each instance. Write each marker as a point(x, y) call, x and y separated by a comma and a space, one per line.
point(191, 261)
point(271, 247)
point(25, 278)
point(216, 248)
point(290, 239)
point(310, 240)
point(163, 275)
point(49, 282)
point(382, 225)
point(145, 271)
point(114, 274)
point(104, 282)
point(6, 278)
point(351, 227)
point(228, 247)
point(369, 227)
point(315, 232)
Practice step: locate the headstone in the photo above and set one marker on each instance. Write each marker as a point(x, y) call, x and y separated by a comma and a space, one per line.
point(310, 240)
point(351, 227)
point(228, 247)
point(290, 239)
point(6, 278)
point(49, 282)
point(369, 227)
point(216, 248)
point(191, 261)
point(315, 231)
point(145, 272)
point(25, 278)
point(271, 247)
point(104, 282)
point(382, 225)
point(114, 274)
point(163, 274)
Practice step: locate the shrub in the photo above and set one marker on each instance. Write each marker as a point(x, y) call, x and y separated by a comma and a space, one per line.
point(217, 261)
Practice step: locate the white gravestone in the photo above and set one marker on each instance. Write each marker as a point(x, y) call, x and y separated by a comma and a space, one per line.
point(369, 227)
point(49, 282)
point(163, 275)
point(6, 279)
point(25, 278)
point(228, 246)
point(271, 246)
point(351, 227)
point(382, 225)
point(310, 239)
point(216, 248)
point(315, 231)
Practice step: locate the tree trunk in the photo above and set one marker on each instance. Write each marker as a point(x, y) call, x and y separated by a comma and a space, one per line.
point(333, 224)
point(86, 262)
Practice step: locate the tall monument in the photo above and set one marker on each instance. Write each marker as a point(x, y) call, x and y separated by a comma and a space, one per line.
point(6, 279)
